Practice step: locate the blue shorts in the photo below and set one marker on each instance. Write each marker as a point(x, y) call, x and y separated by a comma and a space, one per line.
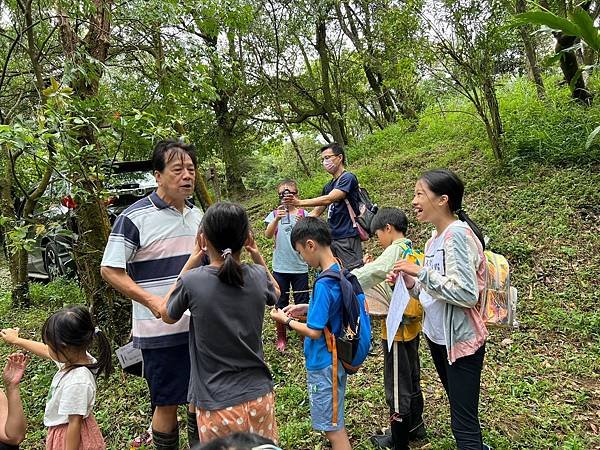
point(167, 371)
point(320, 395)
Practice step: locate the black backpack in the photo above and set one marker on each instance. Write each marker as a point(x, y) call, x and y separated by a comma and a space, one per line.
point(353, 342)
point(367, 210)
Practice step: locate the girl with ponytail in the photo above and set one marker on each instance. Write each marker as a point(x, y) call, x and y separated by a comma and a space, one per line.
point(448, 286)
point(67, 336)
point(230, 384)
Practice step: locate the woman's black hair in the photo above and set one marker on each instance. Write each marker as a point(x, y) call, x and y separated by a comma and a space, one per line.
point(446, 182)
point(390, 216)
point(73, 327)
point(225, 225)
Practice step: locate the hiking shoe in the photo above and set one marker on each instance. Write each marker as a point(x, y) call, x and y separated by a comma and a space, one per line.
point(382, 440)
point(419, 433)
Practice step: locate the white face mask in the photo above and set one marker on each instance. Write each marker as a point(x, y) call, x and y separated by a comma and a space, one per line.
point(329, 165)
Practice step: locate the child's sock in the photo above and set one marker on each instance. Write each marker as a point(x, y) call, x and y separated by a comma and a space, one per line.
point(192, 429)
point(166, 441)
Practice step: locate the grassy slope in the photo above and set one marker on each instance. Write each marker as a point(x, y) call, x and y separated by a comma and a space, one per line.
point(541, 384)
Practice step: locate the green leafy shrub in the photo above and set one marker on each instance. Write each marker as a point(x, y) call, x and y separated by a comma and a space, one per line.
point(553, 130)
point(57, 293)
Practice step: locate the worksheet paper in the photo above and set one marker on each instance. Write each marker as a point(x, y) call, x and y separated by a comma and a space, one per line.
point(400, 298)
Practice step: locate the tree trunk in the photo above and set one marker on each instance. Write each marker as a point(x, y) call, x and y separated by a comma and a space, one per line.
point(493, 125)
point(529, 48)
point(93, 230)
point(570, 68)
point(16, 255)
point(334, 120)
point(235, 184)
point(201, 191)
point(225, 125)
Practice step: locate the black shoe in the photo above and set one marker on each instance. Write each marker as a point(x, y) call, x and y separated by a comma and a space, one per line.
point(418, 433)
point(382, 440)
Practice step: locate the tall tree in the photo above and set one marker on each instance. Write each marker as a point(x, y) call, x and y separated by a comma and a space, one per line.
point(466, 51)
point(22, 87)
point(386, 37)
point(533, 68)
point(85, 58)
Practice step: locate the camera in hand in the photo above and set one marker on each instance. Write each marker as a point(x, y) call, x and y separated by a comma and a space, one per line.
point(286, 218)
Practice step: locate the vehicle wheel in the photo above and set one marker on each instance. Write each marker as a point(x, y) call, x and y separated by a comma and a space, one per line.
point(54, 267)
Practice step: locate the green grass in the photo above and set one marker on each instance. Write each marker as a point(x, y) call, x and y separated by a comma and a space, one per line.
point(540, 383)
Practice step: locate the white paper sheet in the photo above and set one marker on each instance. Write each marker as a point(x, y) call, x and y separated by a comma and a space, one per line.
point(400, 298)
point(128, 355)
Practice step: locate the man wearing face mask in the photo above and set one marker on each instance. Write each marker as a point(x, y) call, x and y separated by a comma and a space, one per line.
point(346, 243)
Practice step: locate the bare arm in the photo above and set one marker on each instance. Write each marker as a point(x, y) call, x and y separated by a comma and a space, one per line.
point(195, 260)
point(316, 212)
point(11, 336)
point(14, 424)
point(73, 437)
point(301, 328)
point(257, 258)
point(324, 200)
point(272, 226)
point(123, 283)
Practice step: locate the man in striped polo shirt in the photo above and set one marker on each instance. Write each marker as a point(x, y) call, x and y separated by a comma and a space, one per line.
point(148, 246)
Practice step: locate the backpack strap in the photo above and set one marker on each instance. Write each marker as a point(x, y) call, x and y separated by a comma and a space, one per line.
point(330, 340)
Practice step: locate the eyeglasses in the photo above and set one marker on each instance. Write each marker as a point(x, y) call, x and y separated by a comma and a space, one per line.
point(266, 447)
point(283, 194)
point(327, 157)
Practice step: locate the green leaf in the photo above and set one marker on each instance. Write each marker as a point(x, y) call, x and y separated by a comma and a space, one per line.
point(575, 79)
point(550, 20)
point(589, 33)
point(590, 139)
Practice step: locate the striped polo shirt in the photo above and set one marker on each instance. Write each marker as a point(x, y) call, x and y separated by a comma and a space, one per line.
point(152, 241)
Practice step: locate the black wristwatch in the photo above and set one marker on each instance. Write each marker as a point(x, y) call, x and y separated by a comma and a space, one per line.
point(287, 323)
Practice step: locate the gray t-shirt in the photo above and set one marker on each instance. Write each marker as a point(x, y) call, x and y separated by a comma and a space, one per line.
point(226, 352)
point(285, 258)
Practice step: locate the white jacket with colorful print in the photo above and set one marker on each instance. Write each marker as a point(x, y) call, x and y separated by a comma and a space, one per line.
point(459, 289)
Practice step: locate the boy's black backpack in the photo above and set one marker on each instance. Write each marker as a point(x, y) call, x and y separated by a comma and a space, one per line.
point(352, 344)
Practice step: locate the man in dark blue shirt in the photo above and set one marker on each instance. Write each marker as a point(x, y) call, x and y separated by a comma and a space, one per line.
point(340, 194)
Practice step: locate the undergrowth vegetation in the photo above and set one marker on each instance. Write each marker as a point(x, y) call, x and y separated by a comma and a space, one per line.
point(541, 382)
